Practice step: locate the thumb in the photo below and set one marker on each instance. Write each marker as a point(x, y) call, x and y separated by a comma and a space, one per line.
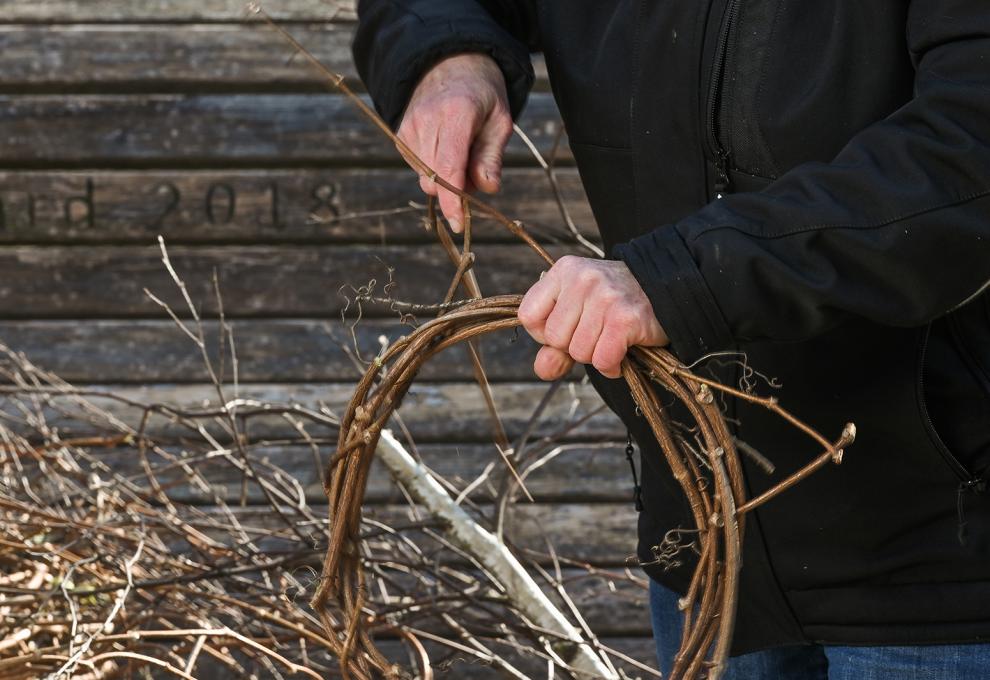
point(552, 364)
point(485, 166)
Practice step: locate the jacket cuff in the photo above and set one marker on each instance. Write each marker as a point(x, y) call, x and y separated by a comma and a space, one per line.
point(436, 40)
point(681, 299)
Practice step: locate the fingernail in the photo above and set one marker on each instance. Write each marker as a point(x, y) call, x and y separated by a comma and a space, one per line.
point(455, 225)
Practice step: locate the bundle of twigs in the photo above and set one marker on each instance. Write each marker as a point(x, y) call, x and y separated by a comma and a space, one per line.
point(718, 504)
point(717, 499)
point(139, 535)
point(109, 564)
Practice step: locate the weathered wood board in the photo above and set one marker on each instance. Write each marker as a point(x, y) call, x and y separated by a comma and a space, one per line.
point(129, 11)
point(590, 533)
point(433, 412)
point(613, 604)
point(240, 130)
point(165, 57)
point(268, 350)
point(331, 205)
point(257, 280)
point(578, 473)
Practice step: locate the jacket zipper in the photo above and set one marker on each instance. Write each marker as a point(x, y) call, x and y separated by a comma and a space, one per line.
point(719, 153)
point(968, 482)
point(637, 489)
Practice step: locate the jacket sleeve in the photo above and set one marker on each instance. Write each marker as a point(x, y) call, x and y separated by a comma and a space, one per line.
point(896, 229)
point(398, 40)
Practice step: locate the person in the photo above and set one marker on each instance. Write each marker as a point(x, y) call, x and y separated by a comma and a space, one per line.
point(801, 185)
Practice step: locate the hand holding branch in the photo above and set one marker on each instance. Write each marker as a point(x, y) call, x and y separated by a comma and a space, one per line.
point(458, 123)
point(589, 311)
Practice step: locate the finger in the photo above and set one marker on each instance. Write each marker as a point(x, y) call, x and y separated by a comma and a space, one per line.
point(419, 140)
point(426, 185)
point(610, 350)
point(486, 152)
point(562, 321)
point(424, 140)
point(655, 335)
point(536, 306)
point(585, 337)
point(452, 152)
point(450, 203)
point(551, 363)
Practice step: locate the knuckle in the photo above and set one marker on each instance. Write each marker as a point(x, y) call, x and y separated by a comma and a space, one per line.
point(555, 337)
point(606, 364)
point(623, 316)
point(609, 350)
point(406, 127)
point(527, 314)
point(451, 105)
point(580, 351)
point(589, 276)
point(502, 123)
point(609, 299)
point(544, 365)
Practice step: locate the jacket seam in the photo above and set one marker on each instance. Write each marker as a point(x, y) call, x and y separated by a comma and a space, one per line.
point(603, 147)
point(760, 90)
point(406, 10)
point(481, 31)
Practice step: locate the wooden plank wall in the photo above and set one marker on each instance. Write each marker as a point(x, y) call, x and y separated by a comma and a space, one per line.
point(122, 120)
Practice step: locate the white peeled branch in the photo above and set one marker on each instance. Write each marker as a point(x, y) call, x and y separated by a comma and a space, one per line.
point(466, 534)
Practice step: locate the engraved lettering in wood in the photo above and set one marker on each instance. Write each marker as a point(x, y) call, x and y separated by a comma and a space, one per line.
point(80, 210)
point(227, 197)
point(172, 202)
point(325, 209)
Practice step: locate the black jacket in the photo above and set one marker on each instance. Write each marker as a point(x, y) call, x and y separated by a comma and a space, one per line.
point(849, 258)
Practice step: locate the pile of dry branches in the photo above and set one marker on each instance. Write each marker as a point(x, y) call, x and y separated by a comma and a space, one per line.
point(132, 540)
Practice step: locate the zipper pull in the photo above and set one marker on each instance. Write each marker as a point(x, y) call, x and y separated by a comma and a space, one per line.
point(637, 489)
point(722, 183)
point(976, 486)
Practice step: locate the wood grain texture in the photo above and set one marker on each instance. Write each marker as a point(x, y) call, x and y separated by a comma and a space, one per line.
point(73, 11)
point(215, 130)
point(268, 350)
point(109, 281)
point(578, 473)
point(444, 412)
point(160, 57)
point(333, 205)
point(612, 604)
point(596, 533)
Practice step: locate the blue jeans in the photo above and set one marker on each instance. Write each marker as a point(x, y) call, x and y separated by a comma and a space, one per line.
point(825, 662)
